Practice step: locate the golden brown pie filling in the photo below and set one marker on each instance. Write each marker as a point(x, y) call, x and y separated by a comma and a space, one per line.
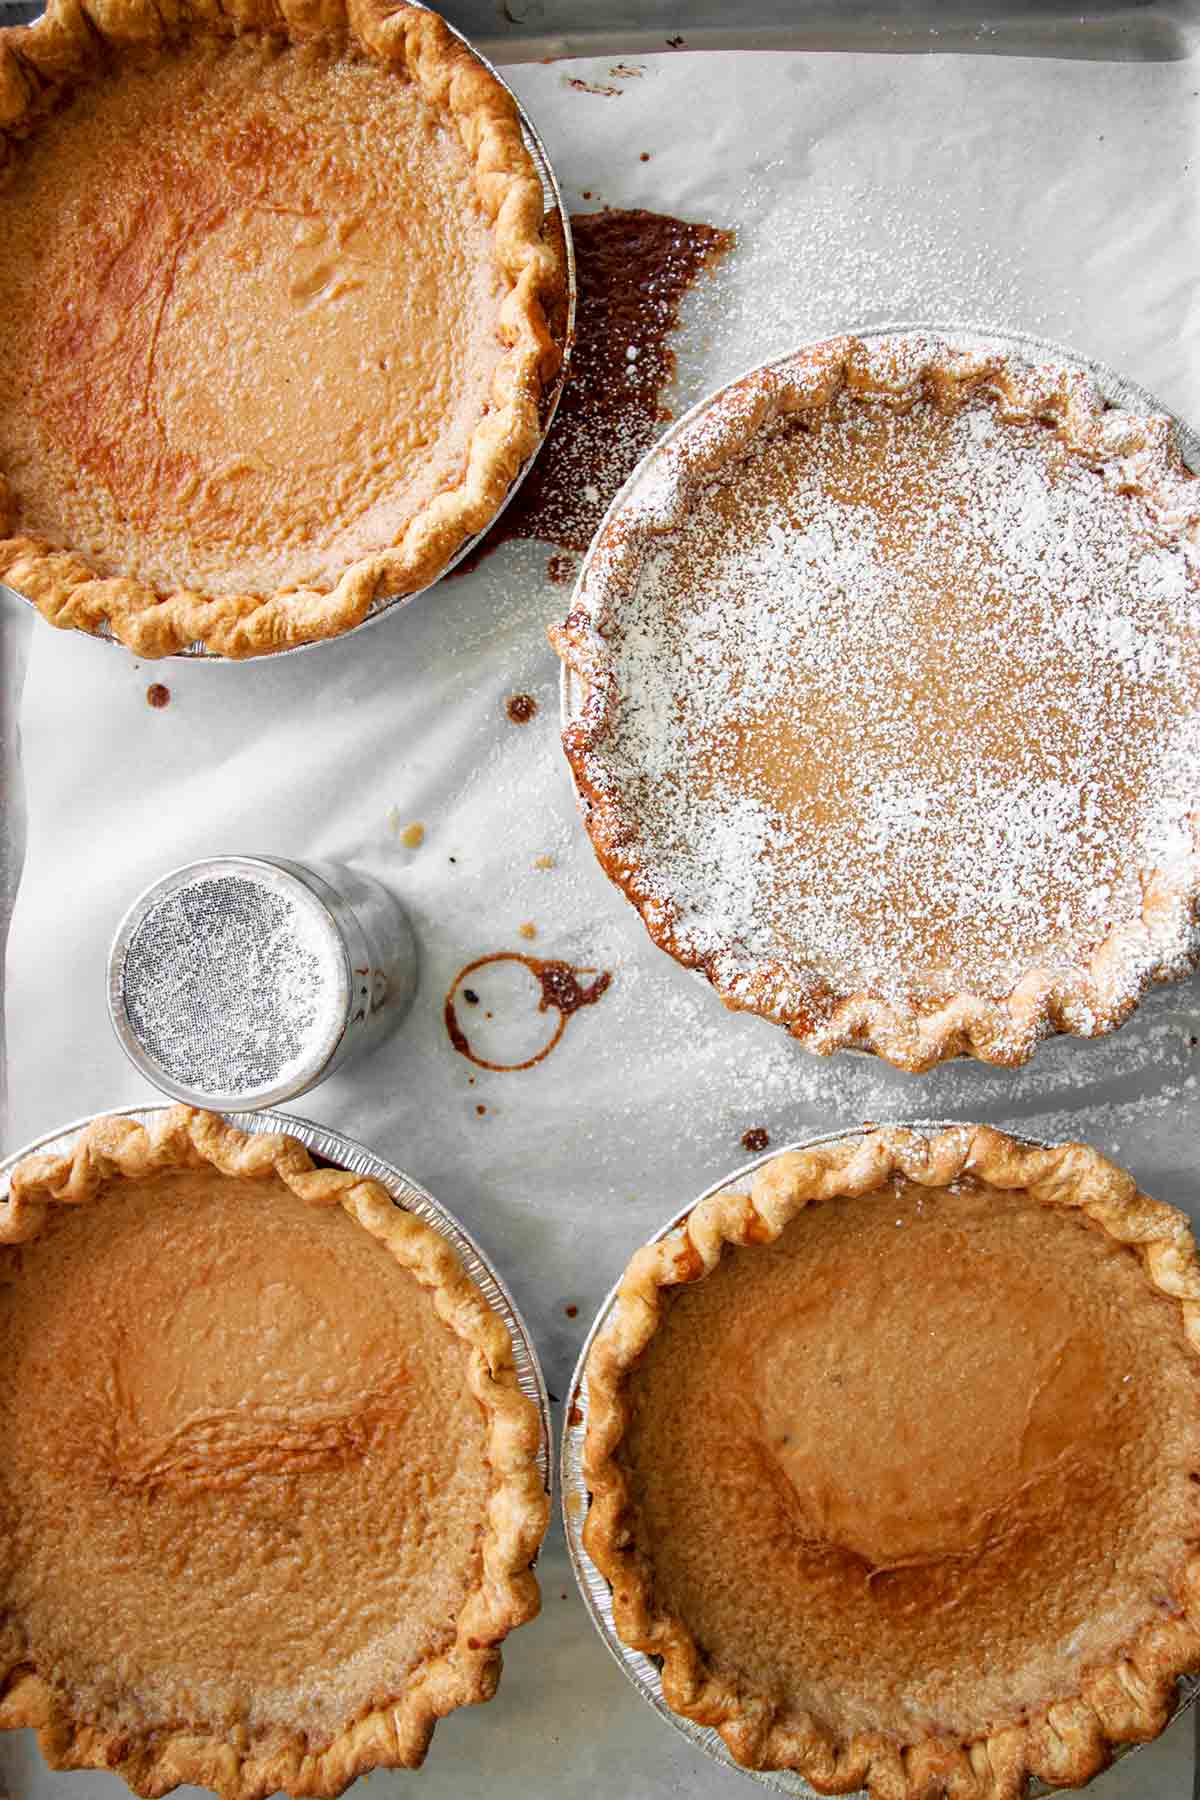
point(256, 1527)
point(246, 354)
point(842, 1460)
point(274, 320)
point(902, 1478)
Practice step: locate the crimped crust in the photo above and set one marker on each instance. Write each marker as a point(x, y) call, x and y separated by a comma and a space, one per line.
point(1135, 456)
point(1065, 1742)
point(394, 1735)
point(40, 63)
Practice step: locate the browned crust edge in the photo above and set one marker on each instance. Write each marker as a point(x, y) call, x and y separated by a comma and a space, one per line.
point(39, 61)
point(1072, 1737)
point(392, 1736)
point(1135, 455)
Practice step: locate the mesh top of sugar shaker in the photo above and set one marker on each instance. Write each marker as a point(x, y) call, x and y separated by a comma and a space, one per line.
point(234, 983)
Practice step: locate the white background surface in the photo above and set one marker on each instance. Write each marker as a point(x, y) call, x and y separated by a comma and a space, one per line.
point(1053, 196)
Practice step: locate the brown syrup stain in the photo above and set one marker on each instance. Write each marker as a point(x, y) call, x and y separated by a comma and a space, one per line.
point(633, 269)
point(572, 1312)
point(757, 1138)
point(158, 695)
point(562, 992)
point(521, 708)
point(575, 1416)
point(593, 87)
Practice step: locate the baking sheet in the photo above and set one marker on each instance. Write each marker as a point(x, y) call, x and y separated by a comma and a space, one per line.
point(1057, 197)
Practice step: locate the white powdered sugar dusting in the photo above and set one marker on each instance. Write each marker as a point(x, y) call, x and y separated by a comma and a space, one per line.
point(909, 701)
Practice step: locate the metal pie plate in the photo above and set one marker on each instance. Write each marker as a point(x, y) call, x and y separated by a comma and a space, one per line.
point(553, 201)
point(644, 1671)
point(343, 1153)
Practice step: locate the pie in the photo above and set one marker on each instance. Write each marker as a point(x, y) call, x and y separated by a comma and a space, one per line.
point(888, 699)
point(274, 314)
point(269, 1493)
point(895, 1464)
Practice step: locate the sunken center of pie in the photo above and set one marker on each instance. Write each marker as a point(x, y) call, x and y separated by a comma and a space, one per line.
point(242, 1477)
point(248, 351)
point(907, 700)
point(921, 1462)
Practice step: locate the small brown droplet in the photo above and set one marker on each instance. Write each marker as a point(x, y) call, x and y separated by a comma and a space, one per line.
point(521, 708)
point(587, 193)
point(644, 157)
point(481, 1110)
point(158, 695)
point(527, 930)
point(413, 836)
point(572, 1312)
point(757, 1138)
point(574, 1417)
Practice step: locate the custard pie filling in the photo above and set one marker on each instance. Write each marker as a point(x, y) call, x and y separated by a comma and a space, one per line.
point(894, 1463)
point(890, 680)
point(249, 354)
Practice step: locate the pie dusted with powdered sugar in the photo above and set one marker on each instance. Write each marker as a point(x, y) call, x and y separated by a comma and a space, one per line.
point(894, 1464)
point(890, 715)
point(268, 1485)
point(275, 314)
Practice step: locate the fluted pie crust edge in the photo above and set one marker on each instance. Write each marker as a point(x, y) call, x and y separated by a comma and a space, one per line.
point(394, 1735)
point(1071, 1737)
point(38, 62)
point(1134, 454)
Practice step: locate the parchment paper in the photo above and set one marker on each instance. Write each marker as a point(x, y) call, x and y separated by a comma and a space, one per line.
point(1057, 197)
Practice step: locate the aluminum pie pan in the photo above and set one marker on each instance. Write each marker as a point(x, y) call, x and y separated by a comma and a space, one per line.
point(643, 1671)
point(1119, 390)
point(345, 1153)
point(554, 205)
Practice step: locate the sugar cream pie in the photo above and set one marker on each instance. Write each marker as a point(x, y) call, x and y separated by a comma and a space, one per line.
point(274, 313)
point(269, 1491)
point(888, 700)
point(895, 1464)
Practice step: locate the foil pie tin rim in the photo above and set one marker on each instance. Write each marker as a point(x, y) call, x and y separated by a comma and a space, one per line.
point(336, 1148)
point(574, 1497)
point(1117, 389)
point(258, 868)
point(381, 608)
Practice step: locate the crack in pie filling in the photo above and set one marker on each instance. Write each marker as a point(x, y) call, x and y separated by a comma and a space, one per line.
point(269, 1493)
point(891, 700)
point(894, 1464)
point(268, 364)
